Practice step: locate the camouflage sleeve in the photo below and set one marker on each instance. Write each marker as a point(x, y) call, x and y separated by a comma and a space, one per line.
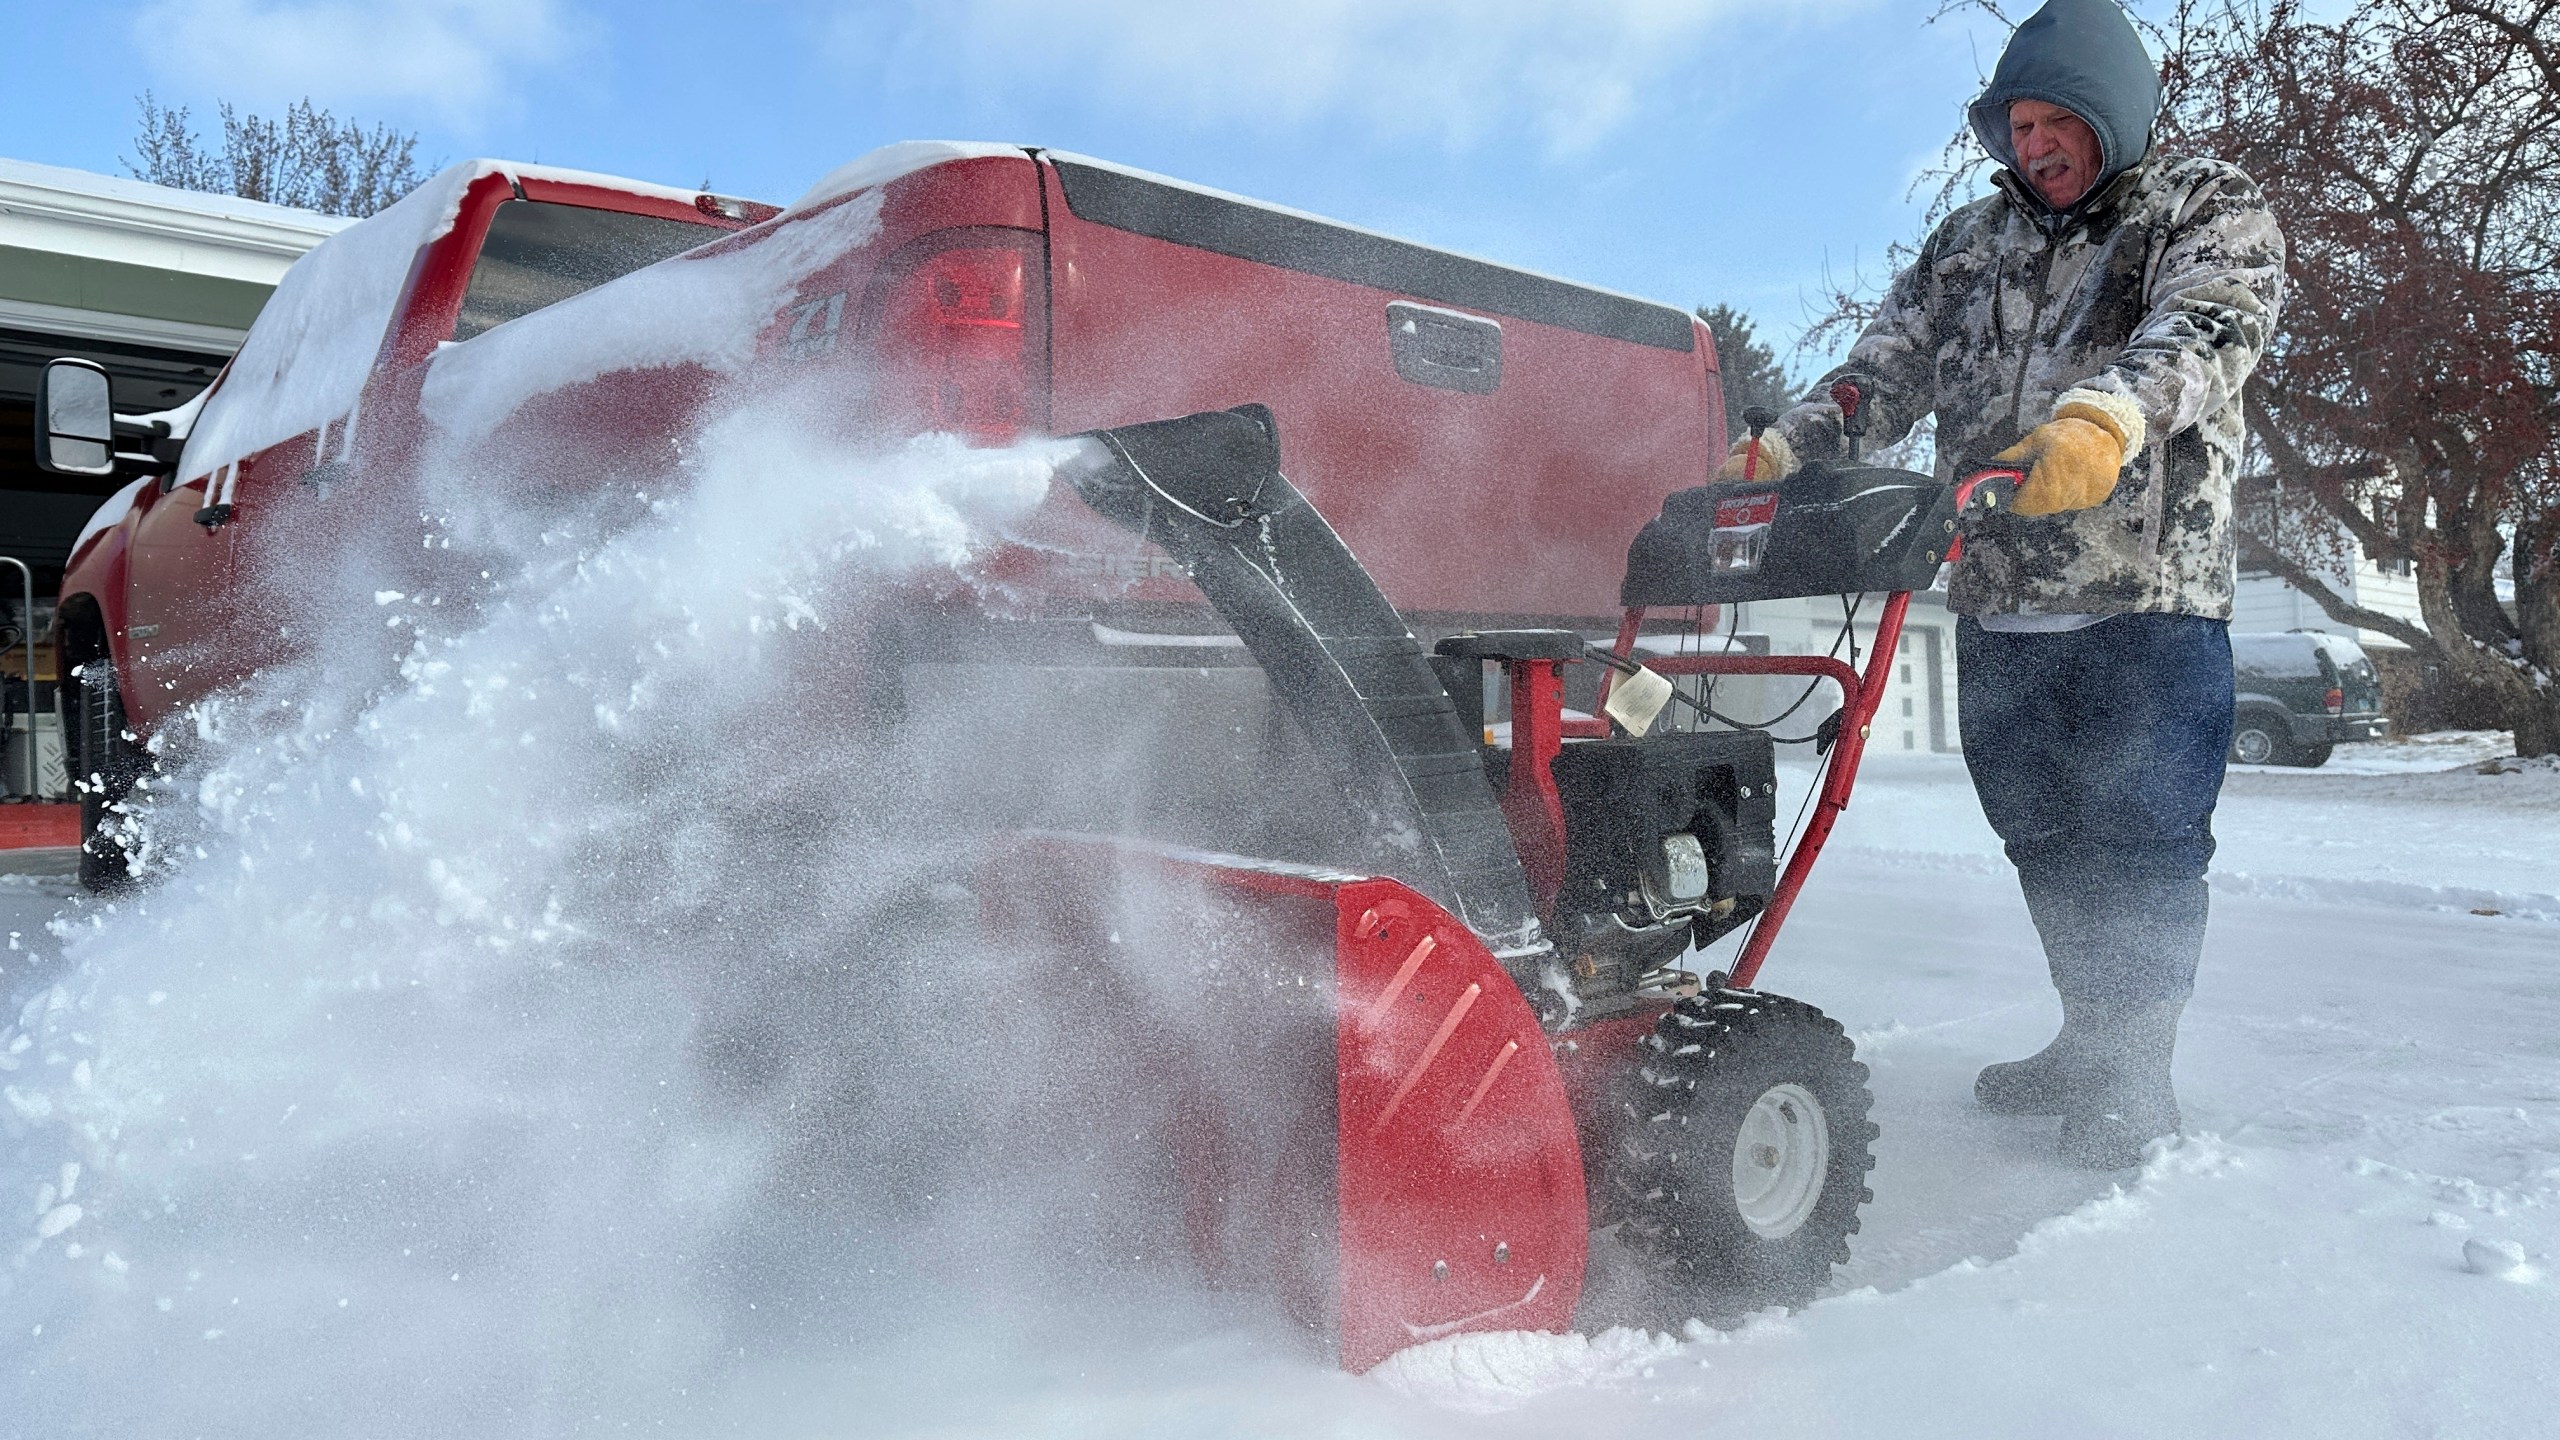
point(2213, 301)
point(1896, 357)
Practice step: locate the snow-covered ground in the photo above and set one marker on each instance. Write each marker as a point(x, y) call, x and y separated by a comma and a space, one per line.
point(2456, 838)
point(2372, 1082)
point(497, 1051)
point(2372, 1077)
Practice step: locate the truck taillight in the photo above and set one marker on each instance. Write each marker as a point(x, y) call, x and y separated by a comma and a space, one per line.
point(2336, 700)
point(961, 342)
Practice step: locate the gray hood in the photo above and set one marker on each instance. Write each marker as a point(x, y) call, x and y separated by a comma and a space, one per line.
point(2086, 57)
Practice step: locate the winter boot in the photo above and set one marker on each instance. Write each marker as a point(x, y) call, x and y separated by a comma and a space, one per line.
point(2118, 1098)
point(2039, 1084)
point(2036, 1085)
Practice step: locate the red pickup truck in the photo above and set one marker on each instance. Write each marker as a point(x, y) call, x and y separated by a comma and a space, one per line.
point(1485, 439)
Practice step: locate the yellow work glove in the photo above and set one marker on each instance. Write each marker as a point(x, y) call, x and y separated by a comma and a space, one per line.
point(1777, 459)
point(2075, 457)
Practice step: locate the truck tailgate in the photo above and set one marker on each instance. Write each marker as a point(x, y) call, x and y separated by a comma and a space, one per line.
point(1486, 440)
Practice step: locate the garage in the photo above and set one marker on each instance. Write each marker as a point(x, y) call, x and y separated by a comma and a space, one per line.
point(158, 286)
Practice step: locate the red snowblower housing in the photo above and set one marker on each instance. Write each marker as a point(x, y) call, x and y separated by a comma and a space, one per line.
point(1518, 1054)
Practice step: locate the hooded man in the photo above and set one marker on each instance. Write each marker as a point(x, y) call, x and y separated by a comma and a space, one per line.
point(2096, 319)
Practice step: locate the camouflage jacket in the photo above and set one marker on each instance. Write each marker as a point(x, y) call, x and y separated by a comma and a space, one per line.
point(2162, 292)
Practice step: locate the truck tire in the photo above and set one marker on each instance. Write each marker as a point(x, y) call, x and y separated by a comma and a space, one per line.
point(2262, 737)
point(1741, 1156)
point(2312, 757)
point(105, 763)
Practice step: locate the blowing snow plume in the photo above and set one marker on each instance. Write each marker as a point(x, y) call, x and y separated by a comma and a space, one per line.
point(523, 1039)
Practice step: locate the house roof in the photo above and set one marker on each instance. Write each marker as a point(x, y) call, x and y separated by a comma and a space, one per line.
point(105, 257)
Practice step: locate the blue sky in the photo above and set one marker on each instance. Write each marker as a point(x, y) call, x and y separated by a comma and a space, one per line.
point(1687, 150)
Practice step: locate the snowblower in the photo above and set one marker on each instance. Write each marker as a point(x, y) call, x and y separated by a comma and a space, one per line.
point(1482, 1041)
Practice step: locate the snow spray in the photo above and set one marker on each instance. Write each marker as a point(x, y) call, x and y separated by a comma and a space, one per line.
point(485, 1051)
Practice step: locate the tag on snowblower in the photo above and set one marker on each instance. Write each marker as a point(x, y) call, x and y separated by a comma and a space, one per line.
point(1636, 700)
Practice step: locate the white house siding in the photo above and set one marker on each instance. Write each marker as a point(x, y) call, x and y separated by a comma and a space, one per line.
point(1918, 712)
point(2264, 603)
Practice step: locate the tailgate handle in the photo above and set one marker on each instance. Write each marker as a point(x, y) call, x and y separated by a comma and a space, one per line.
point(1445, 349)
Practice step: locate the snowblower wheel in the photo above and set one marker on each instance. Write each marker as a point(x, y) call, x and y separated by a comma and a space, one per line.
point(1743, 1155)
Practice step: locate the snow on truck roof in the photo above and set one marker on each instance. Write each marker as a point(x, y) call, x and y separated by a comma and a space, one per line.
point(306, 360)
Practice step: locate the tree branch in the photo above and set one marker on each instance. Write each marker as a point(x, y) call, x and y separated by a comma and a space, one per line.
point(2263, 556)
point(2290, 463)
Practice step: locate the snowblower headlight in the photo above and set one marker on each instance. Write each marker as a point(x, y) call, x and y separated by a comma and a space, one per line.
point(1677, 882)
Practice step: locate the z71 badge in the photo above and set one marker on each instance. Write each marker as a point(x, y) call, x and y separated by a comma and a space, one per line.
point(813, 326)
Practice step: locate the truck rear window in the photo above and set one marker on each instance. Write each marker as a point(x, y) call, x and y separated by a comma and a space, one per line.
point(538, 253)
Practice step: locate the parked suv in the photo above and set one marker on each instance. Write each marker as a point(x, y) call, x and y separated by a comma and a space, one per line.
point(2299, 694)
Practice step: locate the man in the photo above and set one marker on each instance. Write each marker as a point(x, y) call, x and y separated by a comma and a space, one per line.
point(2096, 320)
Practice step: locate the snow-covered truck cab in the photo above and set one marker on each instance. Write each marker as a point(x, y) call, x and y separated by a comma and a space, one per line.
point(329, 378)
point(992, 291)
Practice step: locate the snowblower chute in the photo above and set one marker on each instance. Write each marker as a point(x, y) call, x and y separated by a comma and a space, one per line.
point(1481, 1038)
point(1208, 489)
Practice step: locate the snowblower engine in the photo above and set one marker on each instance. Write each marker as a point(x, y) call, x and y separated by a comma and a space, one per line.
point(1666, 841)
point(1670, 841)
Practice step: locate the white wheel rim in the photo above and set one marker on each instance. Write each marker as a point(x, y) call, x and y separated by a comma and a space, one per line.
point(1779, 1161)
point(2255, 747)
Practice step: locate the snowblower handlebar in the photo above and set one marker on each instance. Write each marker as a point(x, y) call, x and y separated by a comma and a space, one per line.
point(1897, 510)
point(1208, 489)
point(1987, 488)
point(1993, 487)
point(1990, 488)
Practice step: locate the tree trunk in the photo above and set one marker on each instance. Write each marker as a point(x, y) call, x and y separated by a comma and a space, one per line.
point(2528, 695)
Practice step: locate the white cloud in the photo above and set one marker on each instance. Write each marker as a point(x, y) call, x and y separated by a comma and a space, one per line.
point(1456, 71)
point(456, 58)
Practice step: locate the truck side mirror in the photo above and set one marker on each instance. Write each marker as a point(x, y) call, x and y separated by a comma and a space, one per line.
point(76, 419)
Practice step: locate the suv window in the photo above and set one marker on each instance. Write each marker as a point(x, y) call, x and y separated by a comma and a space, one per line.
point(2287, 657)
point(539, 253)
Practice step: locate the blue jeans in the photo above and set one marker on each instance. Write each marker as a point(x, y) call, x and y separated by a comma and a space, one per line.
point(2098, 755)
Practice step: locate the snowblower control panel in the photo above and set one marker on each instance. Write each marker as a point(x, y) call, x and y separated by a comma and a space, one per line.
point(1825, 530)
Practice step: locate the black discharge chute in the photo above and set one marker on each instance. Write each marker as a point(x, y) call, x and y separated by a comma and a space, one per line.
point(1340, 660)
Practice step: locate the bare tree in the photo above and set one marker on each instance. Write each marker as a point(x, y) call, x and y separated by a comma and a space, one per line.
point(309, 159)
point(2412, 404)
point(2409, 408)
point(166, 152)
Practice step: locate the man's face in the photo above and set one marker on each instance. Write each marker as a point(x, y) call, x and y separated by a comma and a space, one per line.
point(2056, 150)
